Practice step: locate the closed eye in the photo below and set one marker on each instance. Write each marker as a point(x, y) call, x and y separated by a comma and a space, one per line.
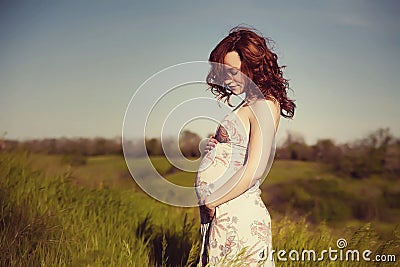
point(231, 73)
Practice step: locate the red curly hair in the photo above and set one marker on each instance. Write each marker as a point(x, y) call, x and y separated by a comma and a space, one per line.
point(259, 63)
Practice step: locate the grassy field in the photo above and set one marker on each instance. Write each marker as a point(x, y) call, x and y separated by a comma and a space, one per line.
point(55, 214)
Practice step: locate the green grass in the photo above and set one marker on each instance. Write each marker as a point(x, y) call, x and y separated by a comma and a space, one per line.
point(291, 187)
point(286, 171)
point(49, 221)
point(50, 215)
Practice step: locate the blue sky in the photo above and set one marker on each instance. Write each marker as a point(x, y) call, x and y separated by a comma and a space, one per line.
point(69, 68)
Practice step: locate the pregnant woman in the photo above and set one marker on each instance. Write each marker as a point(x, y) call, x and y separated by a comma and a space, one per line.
point(235, 223)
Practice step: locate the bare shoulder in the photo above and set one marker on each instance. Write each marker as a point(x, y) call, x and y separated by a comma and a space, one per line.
point(275, 108)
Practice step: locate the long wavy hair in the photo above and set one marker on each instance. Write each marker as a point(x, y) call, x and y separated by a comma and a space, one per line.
point(259, 64)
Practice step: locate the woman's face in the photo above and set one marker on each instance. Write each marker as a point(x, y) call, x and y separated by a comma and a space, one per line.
point(234, 77)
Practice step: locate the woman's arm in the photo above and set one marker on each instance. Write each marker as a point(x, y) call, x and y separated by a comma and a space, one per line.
point(262, 133)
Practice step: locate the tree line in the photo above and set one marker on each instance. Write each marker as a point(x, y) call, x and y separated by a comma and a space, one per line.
point(378, 153)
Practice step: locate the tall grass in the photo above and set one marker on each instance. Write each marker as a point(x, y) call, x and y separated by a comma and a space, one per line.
point(48, 221)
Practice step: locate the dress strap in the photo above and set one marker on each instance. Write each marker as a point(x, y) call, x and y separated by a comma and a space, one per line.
point(238, 106)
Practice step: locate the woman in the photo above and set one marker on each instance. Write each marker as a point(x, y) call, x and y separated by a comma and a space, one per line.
point(235, 224)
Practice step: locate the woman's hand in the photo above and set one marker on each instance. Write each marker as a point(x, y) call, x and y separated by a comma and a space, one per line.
point(212, 142)
point(207, 213)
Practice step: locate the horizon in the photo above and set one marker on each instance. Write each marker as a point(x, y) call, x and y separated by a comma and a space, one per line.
point(297, 135)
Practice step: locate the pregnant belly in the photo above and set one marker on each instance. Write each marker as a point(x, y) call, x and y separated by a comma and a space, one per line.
point(217, 166)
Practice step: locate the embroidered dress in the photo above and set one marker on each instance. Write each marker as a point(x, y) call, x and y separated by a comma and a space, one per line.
point(242, 225)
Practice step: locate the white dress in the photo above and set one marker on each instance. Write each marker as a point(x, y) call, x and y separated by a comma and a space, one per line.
point(241, 226)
